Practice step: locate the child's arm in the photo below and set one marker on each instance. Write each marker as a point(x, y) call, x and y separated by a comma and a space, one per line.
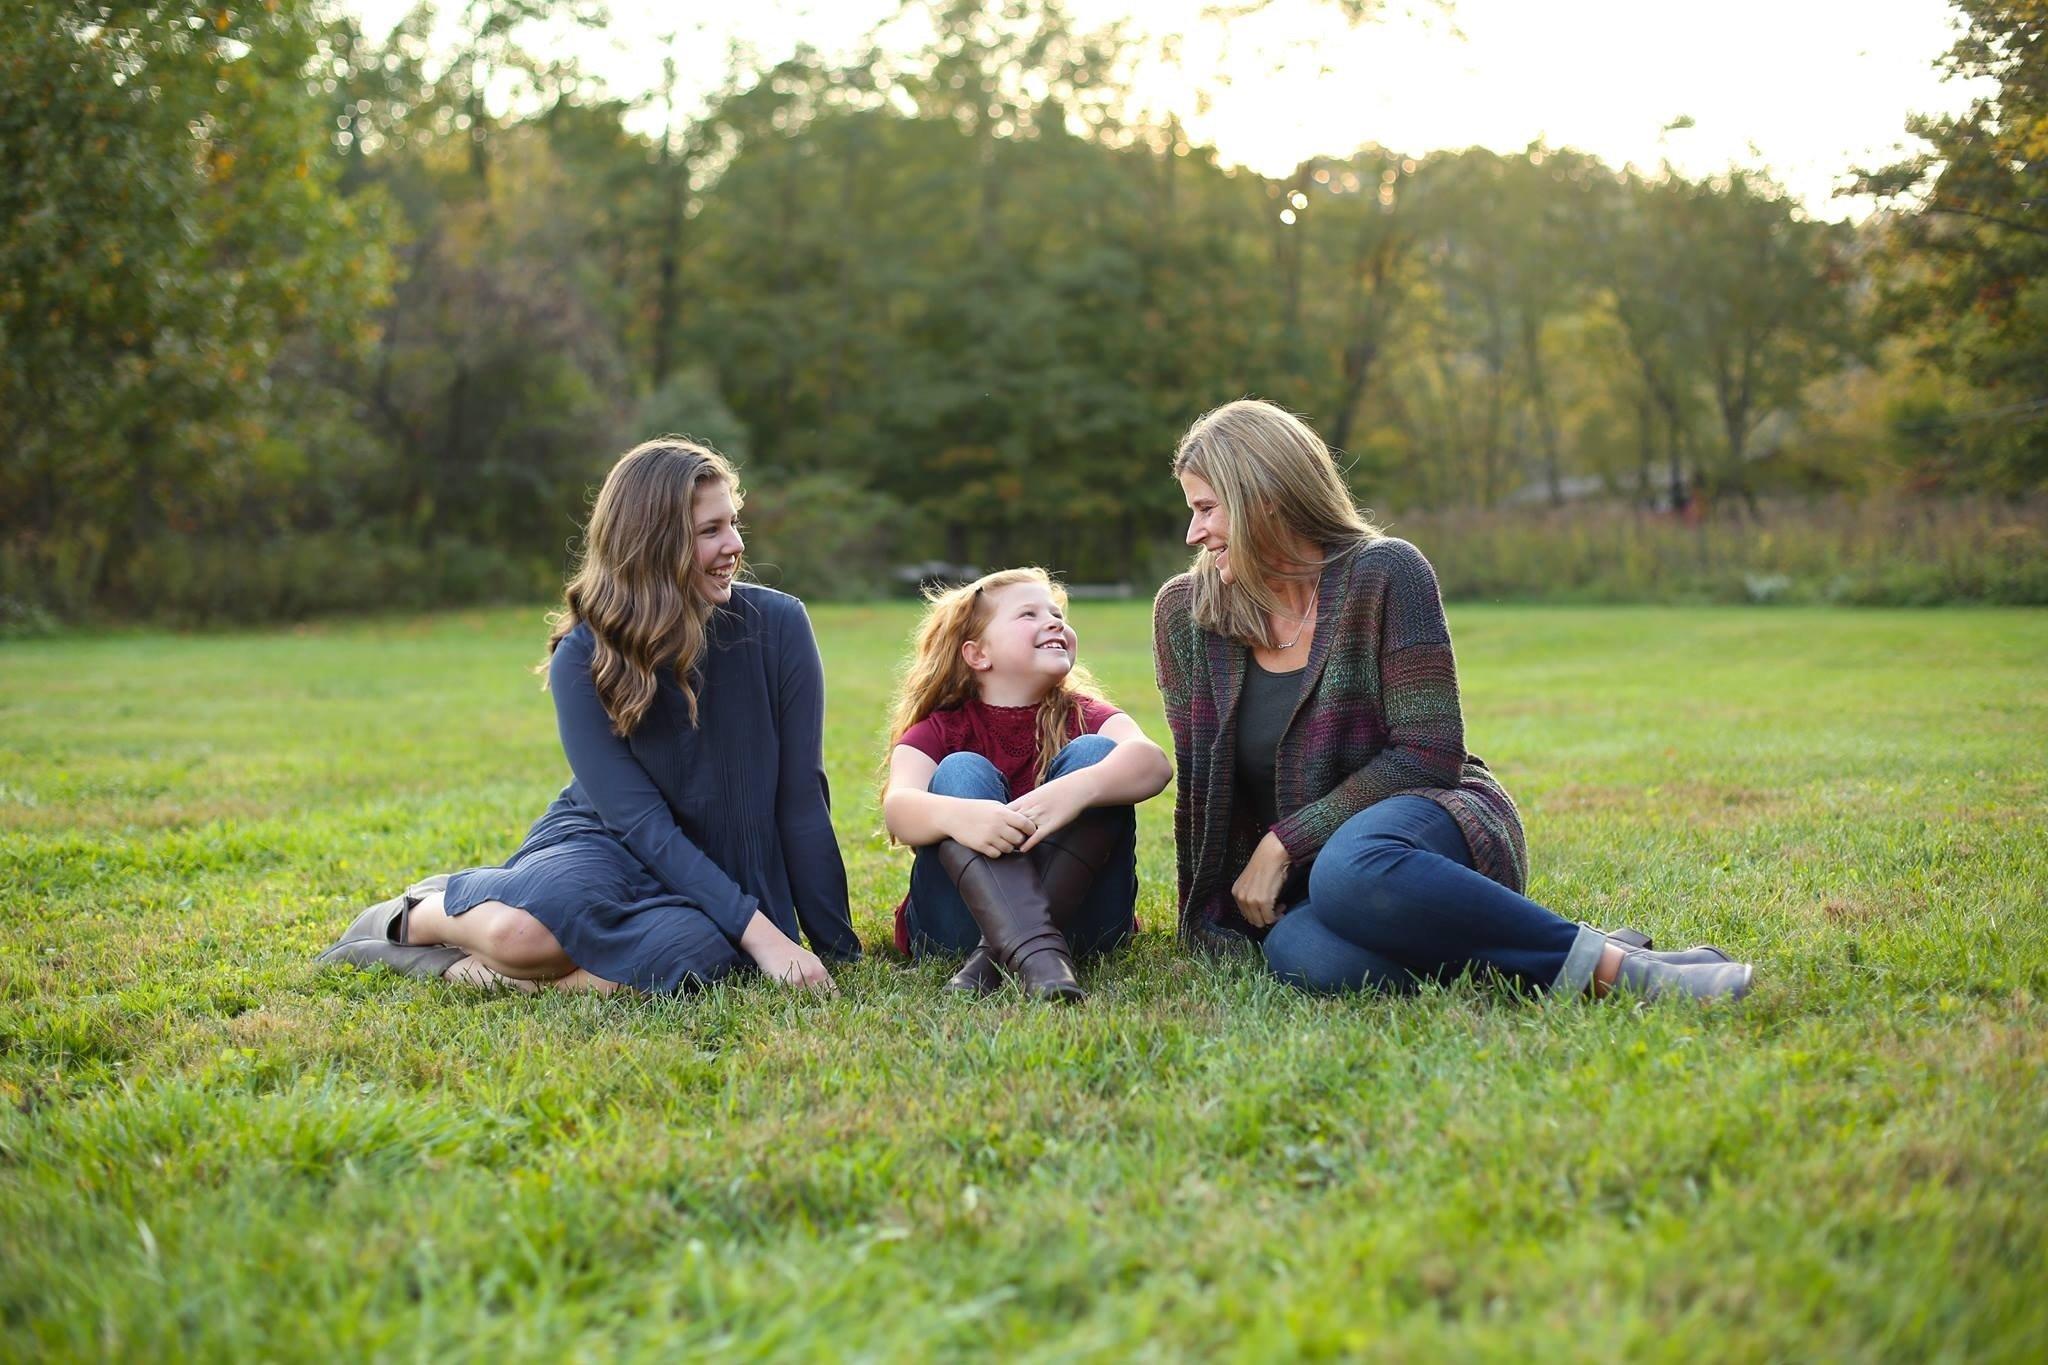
point(916, 815)
point(1135, 770)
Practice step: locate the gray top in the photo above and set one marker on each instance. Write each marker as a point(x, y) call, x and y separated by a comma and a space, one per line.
point(1263, 710)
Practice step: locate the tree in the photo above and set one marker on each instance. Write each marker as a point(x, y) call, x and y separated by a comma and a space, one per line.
point(1644, 242)
point(1553, 197)
point(1969, 276)
point(172, 224)
point(1770, 304)
point(1361, 219)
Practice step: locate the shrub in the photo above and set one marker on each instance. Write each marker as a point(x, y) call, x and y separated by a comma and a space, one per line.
point(1876, 551)
point(821, 536)
point(193, 581)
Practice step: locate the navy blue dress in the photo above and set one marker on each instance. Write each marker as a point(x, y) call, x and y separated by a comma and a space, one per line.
point(654, 859)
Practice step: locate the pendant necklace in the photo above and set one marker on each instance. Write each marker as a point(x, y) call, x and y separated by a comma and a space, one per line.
point(1303, 621)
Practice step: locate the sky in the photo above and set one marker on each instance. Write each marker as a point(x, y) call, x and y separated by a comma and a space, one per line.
point(1808, 89)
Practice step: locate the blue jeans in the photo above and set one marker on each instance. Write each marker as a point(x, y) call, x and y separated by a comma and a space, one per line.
point(939, 920)
point(1393, 899)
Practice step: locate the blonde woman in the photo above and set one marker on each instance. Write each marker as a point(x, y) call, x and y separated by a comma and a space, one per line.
point(1015, 780)
point(695, 836)
point(1327, 806)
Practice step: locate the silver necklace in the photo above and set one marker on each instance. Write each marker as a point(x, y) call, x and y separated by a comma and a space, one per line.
point(1305, 619)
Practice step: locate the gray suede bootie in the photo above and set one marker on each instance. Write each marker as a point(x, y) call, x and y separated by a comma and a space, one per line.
point(377, 938)
point(1652, 976)
point(1693, 956)
point(1637, 941)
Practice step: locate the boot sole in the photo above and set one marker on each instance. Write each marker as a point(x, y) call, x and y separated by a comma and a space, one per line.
point(425, 961)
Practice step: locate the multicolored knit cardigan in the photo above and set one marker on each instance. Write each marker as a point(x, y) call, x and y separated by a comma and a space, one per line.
point(1378, 716)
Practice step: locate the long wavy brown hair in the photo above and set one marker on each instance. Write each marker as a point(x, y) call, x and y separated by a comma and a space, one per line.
point(937, 676)
point(1275, 478)
point(638, 585)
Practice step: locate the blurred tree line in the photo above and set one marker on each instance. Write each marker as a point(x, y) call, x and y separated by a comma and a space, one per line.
point(291, 319)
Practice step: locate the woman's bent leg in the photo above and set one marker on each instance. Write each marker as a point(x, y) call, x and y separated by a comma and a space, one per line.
point(1397, 880)
point(937, 917)
point(1305, 952)
point(510, 948)
point(504, 938)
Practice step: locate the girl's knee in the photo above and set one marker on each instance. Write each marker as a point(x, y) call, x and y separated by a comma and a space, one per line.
point(1082, 751)
point(1290, 945)
point(969, 775)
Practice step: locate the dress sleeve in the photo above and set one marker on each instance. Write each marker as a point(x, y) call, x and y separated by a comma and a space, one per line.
point(1419, 694)
point(803, 798)
point(628, 801)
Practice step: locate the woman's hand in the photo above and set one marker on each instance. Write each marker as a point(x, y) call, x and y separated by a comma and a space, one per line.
point(1054, 805)
point(990, 828)
point(781, 958)
point(1257, 889)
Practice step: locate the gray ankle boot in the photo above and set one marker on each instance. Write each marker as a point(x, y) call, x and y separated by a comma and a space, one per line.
point(1698, 953)
point(377, 938)
point(1636, 941)
point(1653, 975)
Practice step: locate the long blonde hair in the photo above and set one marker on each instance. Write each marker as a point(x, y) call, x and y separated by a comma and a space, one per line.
point(1276, 480)
point(638, 585)
point(937, 675)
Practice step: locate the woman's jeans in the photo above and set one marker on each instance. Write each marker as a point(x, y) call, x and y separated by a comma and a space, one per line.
point(939, 920)
point(1393, 899)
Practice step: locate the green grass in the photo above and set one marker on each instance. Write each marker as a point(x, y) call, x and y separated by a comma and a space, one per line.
point(209, 1149)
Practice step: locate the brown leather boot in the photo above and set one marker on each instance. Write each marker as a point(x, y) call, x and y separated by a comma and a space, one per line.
point(1068, 862)
point(1009, 904)
point(978, 975)
point(1070, 859)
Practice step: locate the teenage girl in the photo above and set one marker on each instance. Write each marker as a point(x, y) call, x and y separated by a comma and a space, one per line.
point(694, 838)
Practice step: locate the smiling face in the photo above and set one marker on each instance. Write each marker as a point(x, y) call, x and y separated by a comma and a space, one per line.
point(715, 539)
point(1208, 522)
point(1027, 640)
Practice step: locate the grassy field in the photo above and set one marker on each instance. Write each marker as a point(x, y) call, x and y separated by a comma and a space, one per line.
point(209, 1149)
